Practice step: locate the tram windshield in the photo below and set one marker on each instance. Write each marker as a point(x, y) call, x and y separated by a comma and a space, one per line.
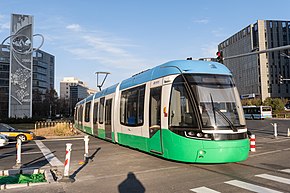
point(216, 100)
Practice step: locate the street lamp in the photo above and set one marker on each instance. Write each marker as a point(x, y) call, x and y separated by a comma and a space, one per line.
point(105, 74)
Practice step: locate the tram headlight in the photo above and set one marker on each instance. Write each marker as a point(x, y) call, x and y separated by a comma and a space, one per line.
point(199, 135)
point(190, 133)
point(206, 135)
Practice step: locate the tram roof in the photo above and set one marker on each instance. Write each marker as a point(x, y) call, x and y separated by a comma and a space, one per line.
point(106, 91)
point(170, 68)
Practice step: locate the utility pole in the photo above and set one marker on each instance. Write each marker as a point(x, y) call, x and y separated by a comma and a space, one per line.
point(281, 79)
point(260, 52)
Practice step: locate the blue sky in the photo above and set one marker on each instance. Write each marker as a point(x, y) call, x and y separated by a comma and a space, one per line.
point(126, 37)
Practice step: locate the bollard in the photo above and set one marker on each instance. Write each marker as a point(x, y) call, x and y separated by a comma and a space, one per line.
point(86, 155)
point(35, 126)
point(18, 158)
point(66, 177)
point(253, 143)
point(67, 159)
point(275, 125)
point(288, 133)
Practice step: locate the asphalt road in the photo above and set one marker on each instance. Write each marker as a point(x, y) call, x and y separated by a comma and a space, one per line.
point(114, 168)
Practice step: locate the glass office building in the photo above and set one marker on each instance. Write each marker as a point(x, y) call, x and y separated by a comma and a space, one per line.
point(43, 76)
point(259, 74)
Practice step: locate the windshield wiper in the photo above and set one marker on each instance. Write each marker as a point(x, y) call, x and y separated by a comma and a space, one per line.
point(215, 109)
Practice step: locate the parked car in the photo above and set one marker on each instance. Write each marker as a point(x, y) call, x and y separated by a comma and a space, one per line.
point(3, 140)
point(14, 134)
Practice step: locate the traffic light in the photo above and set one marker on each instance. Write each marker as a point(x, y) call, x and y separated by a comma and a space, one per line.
point(280, 79)
point(219, 57)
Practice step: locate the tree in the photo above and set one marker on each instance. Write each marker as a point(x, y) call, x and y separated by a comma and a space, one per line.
point(252, 102)
point(277, 104)
point(44, 104)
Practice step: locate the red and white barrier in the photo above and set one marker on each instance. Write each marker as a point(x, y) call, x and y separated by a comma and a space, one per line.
point(67, 160)
point(253, 143)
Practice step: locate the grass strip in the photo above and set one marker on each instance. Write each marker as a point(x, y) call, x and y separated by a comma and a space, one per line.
point(22, 178)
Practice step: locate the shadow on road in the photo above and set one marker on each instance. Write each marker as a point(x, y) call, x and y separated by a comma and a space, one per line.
point(84, 165)
point(131, 184)
point(38, 162)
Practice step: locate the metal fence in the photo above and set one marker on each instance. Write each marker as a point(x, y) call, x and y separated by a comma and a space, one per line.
point(283, 116)
point(53, 127)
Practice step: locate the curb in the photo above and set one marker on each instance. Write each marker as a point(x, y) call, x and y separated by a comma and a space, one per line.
point(47, 173)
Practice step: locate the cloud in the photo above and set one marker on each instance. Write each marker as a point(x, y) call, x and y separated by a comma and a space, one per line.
point(219, 32)
point(4, 26)
point(201, 21)
point(74, 27)
point(103, 48)
point(4, 23)
point(209, 50)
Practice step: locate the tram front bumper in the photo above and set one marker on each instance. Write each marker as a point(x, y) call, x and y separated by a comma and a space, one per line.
point(223, 151)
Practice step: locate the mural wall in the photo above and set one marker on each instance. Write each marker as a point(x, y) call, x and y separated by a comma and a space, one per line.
point(21, 48)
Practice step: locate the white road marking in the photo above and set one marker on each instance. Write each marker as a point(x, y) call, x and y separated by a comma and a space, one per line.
point(268, 152)
point(274, 178)
point(279, 140)
point(64, 139)
point(286, 170)
point(139, 172)
point(51, 158)
point(264, 153)
point(203, 190)
point(251, 187)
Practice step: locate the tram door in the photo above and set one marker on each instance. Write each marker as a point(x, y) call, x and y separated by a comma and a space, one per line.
point(108, 119)
point(95, 119)
point(155, 120)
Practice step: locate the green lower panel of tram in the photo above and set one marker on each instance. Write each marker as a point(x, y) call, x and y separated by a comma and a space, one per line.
point(87, 130)
point(101, 133)
point(175, 147)
point(133, 141)
point(204, 151)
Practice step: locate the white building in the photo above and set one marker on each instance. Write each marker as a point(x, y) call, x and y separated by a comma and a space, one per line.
point(67, 82)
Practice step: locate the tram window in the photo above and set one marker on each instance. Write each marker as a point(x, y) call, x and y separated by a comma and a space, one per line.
point(108, 112)
point(181, 110)
point(101, 112)
point(155, 110)
point(132, 106)
point(87, 112)
point(76, 113)
point(80, 113)
point(155, 107)
point(95, 116)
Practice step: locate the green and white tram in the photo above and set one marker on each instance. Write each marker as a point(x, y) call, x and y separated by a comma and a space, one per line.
point(182, 110)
